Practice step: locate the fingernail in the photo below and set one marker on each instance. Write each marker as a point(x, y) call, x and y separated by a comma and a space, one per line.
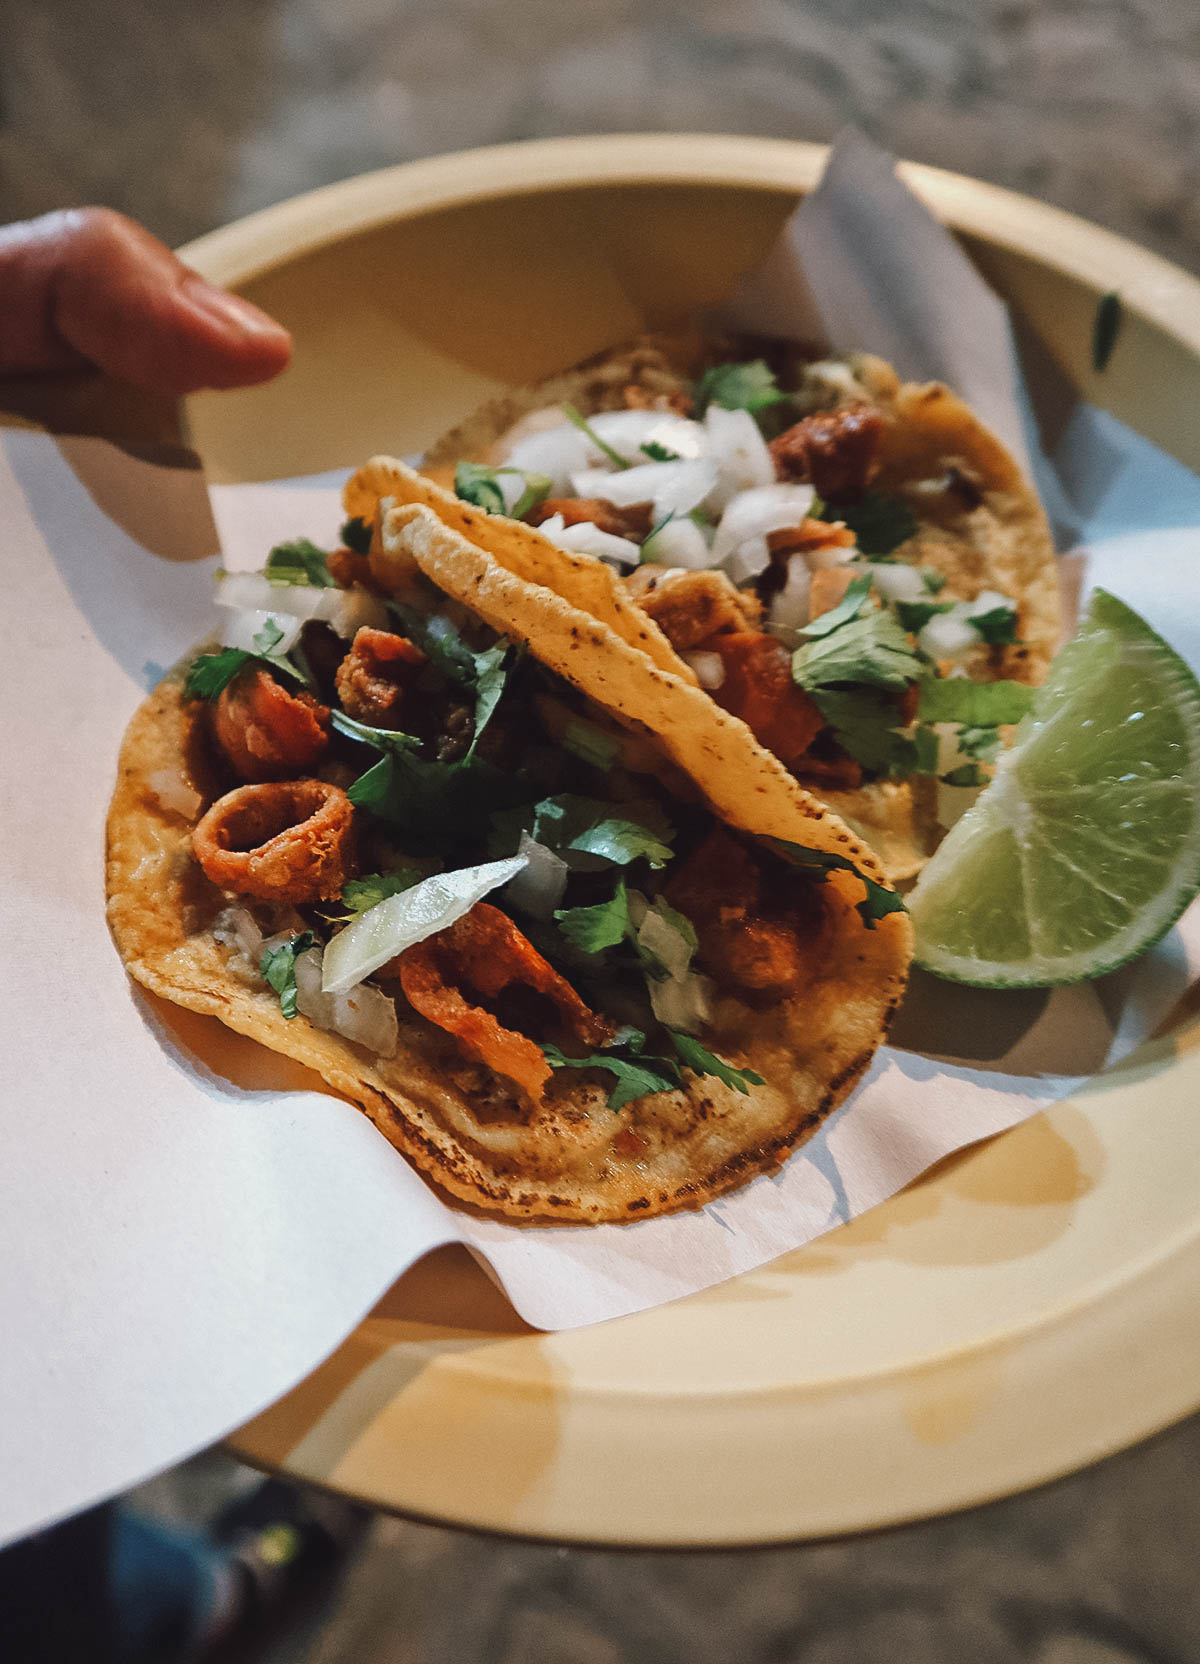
point(230, 309)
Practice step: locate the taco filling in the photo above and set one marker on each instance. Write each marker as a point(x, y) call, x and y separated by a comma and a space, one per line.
point(384, 835)
point(843, 562)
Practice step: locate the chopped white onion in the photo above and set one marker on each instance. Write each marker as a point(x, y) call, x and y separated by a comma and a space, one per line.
point(988, 600)
point(172, 793)
point(829, 554)
point(897, 581)
point(948, 636)
point(400, 921)
point(709, 668)
point(740, 451)
point(740, 543)
point(627, 431)
point(661, 938)
point(790, 607)
point(251, 594)
point(234, 927)
point(587, 539)
point(683, 1003)
point(673, 487)
point(679, 542)
point(557, 452)
point(364, 1014)
point(242, 627)
point(539, 889)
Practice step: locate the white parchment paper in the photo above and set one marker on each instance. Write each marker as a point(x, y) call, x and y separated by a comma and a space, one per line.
point(187, 1228)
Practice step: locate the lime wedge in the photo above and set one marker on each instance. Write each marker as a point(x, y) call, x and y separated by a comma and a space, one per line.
point(1085, 848)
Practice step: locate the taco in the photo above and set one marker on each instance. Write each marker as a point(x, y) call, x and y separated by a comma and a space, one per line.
point(579, 947)
point(815, 541)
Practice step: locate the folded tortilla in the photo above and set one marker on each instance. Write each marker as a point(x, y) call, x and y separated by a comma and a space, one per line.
point(994, 536)
point(571, 1159)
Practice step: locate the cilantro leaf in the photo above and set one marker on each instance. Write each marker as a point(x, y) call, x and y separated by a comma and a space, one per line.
point(847, 608)
point(636, 1076)
point(594, 929)
point(659, 453)
point(878, 901)
point(537, 488)
point(603, 834)
point(484, 673)
point(359, 894)
point(879, 523)
point(873, 650)
point(865, 725)
point(974, 704)
point(491, 674)
point(577, 419)
point(749, 387)
point(211, 673)
point(914, 615)
point(966, 774)
point(278, 967)
point(356, 535)
point(998, 626)
point(933, 580)
point(703, 1062)
point(299, 562)
point(476, 483)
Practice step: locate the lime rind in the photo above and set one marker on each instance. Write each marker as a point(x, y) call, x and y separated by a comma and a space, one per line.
point(1085, 849)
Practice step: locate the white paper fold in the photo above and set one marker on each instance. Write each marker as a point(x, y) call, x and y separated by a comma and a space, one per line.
point(187, 1228)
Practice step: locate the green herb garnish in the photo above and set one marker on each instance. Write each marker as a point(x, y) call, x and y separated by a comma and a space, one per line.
point(847, 608)
point(636, 1076)
point(299, 562)
point(596, 929)
point(966, 774)
point(997, 626)
point(878, 902)
point(211, 673)
point(475, 482)
point(659, 453)
point(278, 967)
point(361, 894)
point(703, 1062)
point(914, 615)
point(879, 523)
point(873, 650)
point(738, 387)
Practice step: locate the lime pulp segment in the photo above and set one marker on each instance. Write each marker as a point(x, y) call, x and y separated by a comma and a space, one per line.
point(1085, 848)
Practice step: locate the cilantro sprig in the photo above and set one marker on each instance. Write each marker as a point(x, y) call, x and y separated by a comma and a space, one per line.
point(973, 704)
point(871, 650)
point(588, 832)
point(278, 967)
point(880, 523)
point(750, 386)
point(211, 673)
point(299, 562)
point(475, 482)
point(639, 1073)
point(361, 894)
point(356, 535)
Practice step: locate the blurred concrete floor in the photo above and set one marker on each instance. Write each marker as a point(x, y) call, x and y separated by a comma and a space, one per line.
point(186, 115)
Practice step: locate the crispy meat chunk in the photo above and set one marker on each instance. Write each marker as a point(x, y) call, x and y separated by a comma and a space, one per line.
point(688, 607)
point(835, 449)
point(810, 536)
point(267, 731)
point(347, 566)
point(635, 522)
point(283, 840)
point(761, 938)
point(374, 675)
point(758, 687)
point(486, 953)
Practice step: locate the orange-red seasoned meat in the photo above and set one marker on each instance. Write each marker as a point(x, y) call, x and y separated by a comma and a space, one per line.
point(485, 955)
point(347, 566)
point(635, 522)
point(688, 607)
point(762, 942)
point(374, 675)
point(758, 687)
point(267, 731)
point(837, 450)
point(284, 840)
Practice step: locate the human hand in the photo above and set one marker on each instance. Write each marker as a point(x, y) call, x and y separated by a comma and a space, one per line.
point(88, 287)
